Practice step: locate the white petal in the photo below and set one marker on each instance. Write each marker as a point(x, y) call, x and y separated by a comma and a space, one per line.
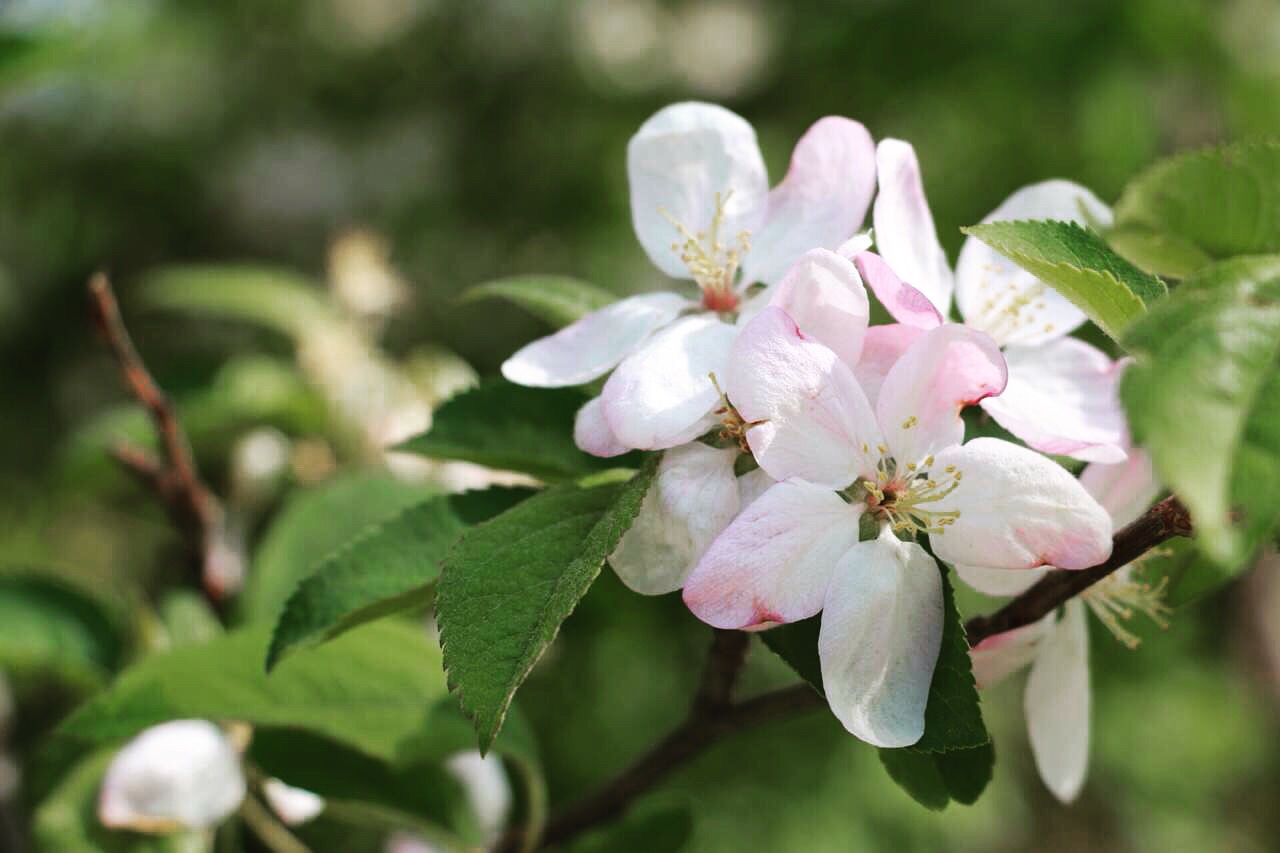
point(292, 805)
point(591, 347)
point(1124, 490)
point(183, 774)
point(752, 485)
point(1003, 654)
point(693, 498)
point(664, 390)
point(905, 235)
point(881, 631)
point(810, 419)
point(676, 164)
point(488, 790)
point(1018, 510)
point(772, 563)
point(903, 302)
point(1001, 582)
point(944, 370)
point(823, 293)
point(822, 200)
point(592, 434)
point(881, 349)
point(1062, 399)
point(1057, 705)
point(998, 296)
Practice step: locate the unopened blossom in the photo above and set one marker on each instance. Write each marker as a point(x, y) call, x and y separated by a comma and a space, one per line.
point(898, 465)
point(294, 806)
point(1057, 698)
point(183, 774)
point(1061, 397)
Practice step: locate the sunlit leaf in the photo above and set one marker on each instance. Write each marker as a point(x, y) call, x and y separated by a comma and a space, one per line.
point(559, 300)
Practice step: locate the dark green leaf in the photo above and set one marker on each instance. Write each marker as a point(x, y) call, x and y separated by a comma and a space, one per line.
point(1204, 397)
point(935, 779)
point(1077, 263)
point(513, 428)
point(1187, 211)
point(662, 830)
point(797, 645)
point(49, 626)
point(510, 582)
point(559, 300)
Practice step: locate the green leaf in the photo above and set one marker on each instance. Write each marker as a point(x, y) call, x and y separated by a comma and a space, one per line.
point(953, 715)
point(513, 428)
point(509, 583)
point(369, 689)
point(935, 779)
point(1204, 397)
point(559, 300)
point(188, 619)
point(50, 628)
point(314, 523)
point(1187, 211)
point(1077, 263)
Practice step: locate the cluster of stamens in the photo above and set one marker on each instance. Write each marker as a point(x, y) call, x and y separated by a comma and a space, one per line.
point(733, 427)
point(712, 262)
point(1013, 308)
point(902, 496)
point(1117, 597)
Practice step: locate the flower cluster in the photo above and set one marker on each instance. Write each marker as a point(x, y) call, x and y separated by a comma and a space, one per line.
point(815, 463)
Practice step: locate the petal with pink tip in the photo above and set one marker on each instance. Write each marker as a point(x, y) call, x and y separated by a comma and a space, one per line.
point(820, 203)
point(772, 564)
point(1018, 510)
point(662, 394)
point(1062, 398)
point(879, 640)
point(1001, 655)
point(881, 349)
point(944, 370)
point(809, 419)
point(677, 163)
point(1057, 704)
point(693, 498)
point(823, 293)
point(903, 302)
point(592, 434)
point(905, 234)
point(591, 347)
point(1124, 490)
point(1007, 302)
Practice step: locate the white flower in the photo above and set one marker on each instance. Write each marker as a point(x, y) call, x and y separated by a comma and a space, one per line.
point(294, 806)
point(1057, 697)
point(183, 774)
point(1061, 396)
point(900, 465)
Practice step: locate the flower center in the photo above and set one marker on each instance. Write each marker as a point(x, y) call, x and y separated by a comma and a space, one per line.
point(733, 426)
point(901, 495)
point(712, 262)
point(1009, 309)
point(1115, 599)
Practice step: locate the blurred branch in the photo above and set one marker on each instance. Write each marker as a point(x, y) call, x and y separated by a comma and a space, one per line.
point(714, 714)
point(172, 476)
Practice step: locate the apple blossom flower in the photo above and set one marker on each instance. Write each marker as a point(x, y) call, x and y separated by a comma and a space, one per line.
point(900, 466)
point(1061, 397)
point(183, 774)
point(1057, 697)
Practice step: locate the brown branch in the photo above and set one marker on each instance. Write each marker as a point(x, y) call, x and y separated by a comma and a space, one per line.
point(172, 476)
point(714, 714)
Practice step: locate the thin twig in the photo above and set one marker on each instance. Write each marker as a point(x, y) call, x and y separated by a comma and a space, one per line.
point(714, 713)
point(172, 476)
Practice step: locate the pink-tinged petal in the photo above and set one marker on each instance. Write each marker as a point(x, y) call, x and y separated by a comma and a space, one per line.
point(677, 163)
point(693, 498)
point(998, 296)
point(1000, 582)
point(773, 562)
point(1124, 490)
point(1017, 510)
point(1062, 398)
point(1057, 705)
point(824, 295)
point(663, 391)
point(903, 302)
point(881, 631)
point(591, 347)
point(905, 235)
point(809, 417)
point(752, 485)
point(1001, 655)
point(855, 245)
point(944, 370)
point(820, 203)
point(592, 434)
point(881, 349)
point(183, 774)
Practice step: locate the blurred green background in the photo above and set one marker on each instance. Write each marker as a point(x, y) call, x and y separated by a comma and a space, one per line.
point(464, 141)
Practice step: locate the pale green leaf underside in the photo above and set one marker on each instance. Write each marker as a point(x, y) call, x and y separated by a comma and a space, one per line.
point(559, 300)
point(276, 298)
